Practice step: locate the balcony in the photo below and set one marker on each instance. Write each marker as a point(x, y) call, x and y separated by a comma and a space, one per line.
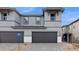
point(66, 30)
point(52, 24)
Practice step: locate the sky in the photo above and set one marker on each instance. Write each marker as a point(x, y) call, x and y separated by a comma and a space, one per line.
point(69, 15)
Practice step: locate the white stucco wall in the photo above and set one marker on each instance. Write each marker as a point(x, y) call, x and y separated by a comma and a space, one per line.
point(27, 39)
point(59, 39)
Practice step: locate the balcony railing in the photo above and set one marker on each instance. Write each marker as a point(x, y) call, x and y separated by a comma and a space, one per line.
point(52, 18)
point(4, 18)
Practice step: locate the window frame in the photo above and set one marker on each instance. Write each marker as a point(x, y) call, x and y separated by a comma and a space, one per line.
point(26, 21)
point(4, 18)
point(52, 17)
point(38, 21)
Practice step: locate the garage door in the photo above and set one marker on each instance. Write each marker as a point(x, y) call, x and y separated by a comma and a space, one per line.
point(11, 37)
point(44, 37)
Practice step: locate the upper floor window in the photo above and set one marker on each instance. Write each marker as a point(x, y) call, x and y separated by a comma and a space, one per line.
point(26, 20)
point(38, 20)
point(52, 17)
point(4, 15)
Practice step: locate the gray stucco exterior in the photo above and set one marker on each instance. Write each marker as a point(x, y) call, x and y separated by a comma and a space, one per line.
point(14, 19)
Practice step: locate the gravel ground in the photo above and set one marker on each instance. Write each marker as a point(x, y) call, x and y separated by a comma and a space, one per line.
point(71, 47)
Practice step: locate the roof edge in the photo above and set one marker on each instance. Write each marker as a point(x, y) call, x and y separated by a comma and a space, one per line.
point(54, 8)
point(71, 23)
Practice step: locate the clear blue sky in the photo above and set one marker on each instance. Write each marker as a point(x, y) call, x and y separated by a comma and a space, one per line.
point(69, 15)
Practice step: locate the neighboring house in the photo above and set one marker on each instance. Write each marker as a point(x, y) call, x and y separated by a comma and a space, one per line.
point(71, 32)
point(17, 28)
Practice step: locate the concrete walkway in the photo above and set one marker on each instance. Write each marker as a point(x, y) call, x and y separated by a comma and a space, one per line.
point(31, 47)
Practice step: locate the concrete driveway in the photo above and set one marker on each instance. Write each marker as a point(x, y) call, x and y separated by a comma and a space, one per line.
point(8, 46)
point(45, 47)
point(31, 47)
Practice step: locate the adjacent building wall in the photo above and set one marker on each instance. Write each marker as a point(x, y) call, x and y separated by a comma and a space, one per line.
point(74, 29)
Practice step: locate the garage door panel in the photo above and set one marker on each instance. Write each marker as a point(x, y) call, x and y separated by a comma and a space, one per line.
point(10, 37)
point(44, 37)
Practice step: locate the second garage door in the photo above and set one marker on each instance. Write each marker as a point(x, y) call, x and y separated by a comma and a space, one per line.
point(11, 37)
point(44, 37)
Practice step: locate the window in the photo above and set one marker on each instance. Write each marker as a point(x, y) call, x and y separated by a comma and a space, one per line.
point(38, 20)
point(52, 17)
point(26, 20)
point(4, 15)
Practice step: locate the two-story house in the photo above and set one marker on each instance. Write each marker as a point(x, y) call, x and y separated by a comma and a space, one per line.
point(18, 28)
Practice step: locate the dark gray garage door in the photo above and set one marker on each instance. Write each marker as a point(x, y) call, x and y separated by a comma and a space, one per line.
point(44, 37)
point(11, 37)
